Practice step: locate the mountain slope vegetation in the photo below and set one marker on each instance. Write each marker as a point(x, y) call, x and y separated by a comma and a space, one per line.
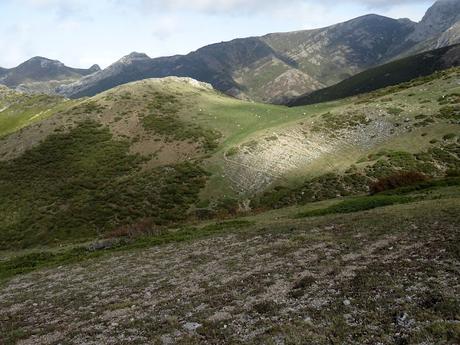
point(18, 110)
point(390, 74)
point(210, 155)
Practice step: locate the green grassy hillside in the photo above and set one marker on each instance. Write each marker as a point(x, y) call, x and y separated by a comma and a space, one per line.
point(160, 152)
point(18, 110)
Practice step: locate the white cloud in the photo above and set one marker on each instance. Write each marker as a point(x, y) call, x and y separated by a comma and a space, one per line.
point(249, 6)
point(166, 26)
point(66, 8)
point(62, 8)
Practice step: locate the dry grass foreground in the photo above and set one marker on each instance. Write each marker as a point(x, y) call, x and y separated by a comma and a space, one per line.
point(385, 276)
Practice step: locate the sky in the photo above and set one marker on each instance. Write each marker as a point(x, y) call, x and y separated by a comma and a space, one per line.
point(81, 33)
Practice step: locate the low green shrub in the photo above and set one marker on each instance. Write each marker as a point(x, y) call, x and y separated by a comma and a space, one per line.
point(163, 119)
point(439, 183)
point(358, 204)
point(449, 136)
point(232, 151)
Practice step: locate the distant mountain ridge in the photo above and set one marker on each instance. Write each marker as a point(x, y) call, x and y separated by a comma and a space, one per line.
point(281, 66)
point(389, 74)
point(42, 69)
point(268, 68)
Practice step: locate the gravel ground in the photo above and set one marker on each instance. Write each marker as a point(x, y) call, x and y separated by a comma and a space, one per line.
point(387, 276)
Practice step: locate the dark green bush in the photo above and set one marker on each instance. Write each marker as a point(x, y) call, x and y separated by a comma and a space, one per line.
point(358, 204)
point(80, 184)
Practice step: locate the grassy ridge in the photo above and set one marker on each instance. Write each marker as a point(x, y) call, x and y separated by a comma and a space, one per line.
point(19, 110)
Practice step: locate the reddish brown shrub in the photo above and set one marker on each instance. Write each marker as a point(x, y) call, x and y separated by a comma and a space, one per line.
point(400, 179)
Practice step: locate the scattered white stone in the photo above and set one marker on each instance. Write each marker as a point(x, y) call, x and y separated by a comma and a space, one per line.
point(220, 316)
point(346, 302)
point(167, 340)
point(191, 326)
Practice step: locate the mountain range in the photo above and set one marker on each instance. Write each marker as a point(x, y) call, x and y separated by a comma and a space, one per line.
point(271, 68)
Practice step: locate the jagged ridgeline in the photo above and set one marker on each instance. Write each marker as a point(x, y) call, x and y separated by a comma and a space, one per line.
point(273, 68)
point(163, 151)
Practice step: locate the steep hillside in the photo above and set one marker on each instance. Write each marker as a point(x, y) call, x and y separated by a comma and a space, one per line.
point(214, 64)
point(58, 180)
point(284, 65)
point(393, 73)
point(211, 155)
point(450, 36)
point(42, 75)
point(401, 128)
point(440, 18)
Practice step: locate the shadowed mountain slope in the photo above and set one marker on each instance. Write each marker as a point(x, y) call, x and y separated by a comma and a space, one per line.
point(389, 74)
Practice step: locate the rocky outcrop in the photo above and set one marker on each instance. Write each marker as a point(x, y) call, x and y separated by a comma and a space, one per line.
point(439, 18)
point(450, 36)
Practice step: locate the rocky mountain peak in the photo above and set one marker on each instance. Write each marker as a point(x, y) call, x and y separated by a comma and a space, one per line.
point(133, 57)
point(94, 68)
point(42, 62)
point(439, 17)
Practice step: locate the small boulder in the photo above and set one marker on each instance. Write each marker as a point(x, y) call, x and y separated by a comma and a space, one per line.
point(191, 326)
